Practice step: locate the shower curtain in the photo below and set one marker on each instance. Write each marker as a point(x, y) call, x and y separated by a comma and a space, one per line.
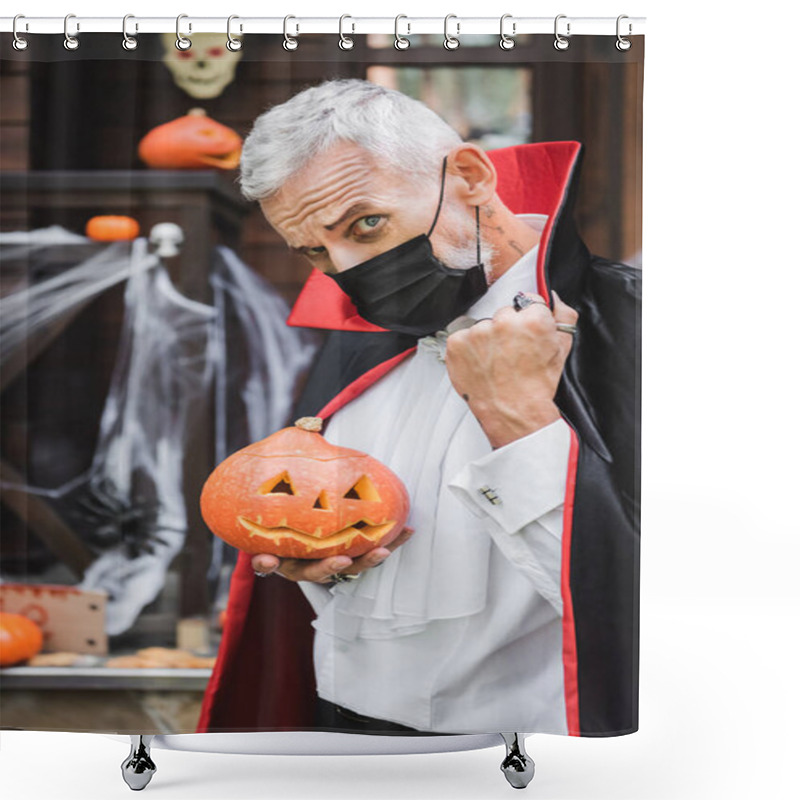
point(427, 257)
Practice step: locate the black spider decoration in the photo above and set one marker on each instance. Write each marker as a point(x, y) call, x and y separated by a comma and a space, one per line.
point(110, 518)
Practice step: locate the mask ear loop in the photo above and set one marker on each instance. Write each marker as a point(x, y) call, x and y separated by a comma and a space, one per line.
point(439, 208)
point(478, 232)
point(441, 197)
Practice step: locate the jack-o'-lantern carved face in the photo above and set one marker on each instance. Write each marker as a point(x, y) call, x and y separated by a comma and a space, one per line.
point(191, 142)
point(296, 495)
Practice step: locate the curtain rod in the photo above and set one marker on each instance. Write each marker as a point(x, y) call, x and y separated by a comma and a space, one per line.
point(294, 25)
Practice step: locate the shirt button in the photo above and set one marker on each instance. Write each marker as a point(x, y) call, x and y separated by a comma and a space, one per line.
point(491, 495)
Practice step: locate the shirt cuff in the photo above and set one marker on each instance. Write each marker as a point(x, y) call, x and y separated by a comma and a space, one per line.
point(519, 482)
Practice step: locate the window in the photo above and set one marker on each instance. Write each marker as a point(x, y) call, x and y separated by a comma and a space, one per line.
point(489, 105)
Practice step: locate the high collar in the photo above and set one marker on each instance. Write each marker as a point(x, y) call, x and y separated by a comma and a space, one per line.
point(538, 178)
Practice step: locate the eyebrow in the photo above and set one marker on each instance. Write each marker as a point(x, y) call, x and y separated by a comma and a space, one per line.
point(356, 208)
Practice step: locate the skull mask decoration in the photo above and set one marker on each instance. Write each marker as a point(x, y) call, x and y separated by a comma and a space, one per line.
point(206, 68)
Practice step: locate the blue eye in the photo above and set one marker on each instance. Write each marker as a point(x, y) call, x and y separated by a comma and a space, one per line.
point(369, 223)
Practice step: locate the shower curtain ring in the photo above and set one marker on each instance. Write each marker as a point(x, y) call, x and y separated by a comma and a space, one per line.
point(561, 42)
point(400, 42)
point(233, 44)
point(182, 43)
point(19, 43)
point(345, 42)
point(70, 42)
point(129, 42)
point(622, 43)
point(451, 42)
point(289, 42)
point(507, 42)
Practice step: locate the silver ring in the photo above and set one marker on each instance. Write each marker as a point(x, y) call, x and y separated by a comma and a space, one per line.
point(19, 43)
point(182, 43)
point(261, 574)
point(622, 43)
point(289, 42)
point(565, 328)
point(451, 42)
point(506, 41)
point(129, 42)
point(233, 44)
point(522, 300)
point(400, 42)
point(345, 42)
point(337, 578)
point(560, 42)
point(70, 42)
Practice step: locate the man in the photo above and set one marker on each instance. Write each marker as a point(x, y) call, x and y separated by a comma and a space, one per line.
point(455, 361)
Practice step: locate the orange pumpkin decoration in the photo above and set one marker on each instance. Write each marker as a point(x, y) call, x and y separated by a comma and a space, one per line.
point(20, 638)
point(296, 495)
point(191, 142)
point(112, 229)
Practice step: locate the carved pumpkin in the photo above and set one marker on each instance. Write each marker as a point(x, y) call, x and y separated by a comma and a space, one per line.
point(191, 142)
point(296, 495)
point(112, 228)
point(20, 638)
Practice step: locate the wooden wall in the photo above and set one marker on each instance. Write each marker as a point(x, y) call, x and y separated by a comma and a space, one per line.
point(14, 114)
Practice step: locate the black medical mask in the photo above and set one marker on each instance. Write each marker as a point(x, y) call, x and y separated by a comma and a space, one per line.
point(407, 289)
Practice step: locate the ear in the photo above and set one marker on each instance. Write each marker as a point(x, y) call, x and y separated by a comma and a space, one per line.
point(478, 177)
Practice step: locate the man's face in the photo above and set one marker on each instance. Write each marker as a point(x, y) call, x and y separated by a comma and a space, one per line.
point(345, 207)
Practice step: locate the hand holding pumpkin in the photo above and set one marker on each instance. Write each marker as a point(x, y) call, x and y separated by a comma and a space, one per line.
point(298, 502)
point(320, 570)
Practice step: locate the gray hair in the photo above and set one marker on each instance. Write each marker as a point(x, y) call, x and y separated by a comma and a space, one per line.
point(401, 131)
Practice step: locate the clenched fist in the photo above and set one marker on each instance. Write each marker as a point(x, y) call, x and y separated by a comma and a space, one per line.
point(508, 368)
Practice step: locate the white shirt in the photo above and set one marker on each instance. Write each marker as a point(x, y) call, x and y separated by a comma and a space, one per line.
point(459, 630)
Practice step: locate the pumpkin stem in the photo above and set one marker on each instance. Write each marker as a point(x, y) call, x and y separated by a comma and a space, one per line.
point(196, 112)
point(309, 424)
